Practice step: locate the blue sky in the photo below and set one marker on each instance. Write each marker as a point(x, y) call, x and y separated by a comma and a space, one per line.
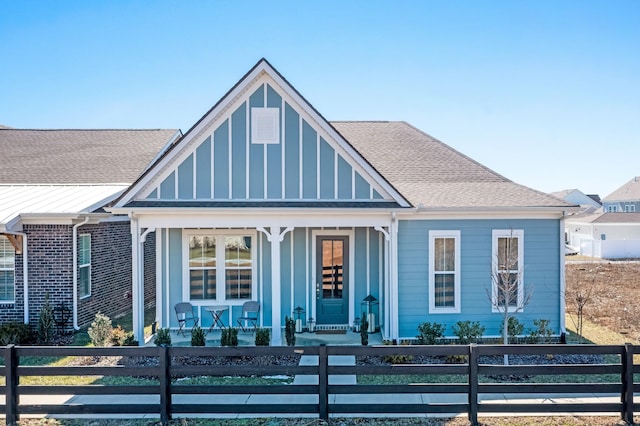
point(546, 93)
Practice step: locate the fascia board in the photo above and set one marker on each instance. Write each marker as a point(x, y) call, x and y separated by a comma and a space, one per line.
point(259, 218)
point(488, 213)
point(60, 218)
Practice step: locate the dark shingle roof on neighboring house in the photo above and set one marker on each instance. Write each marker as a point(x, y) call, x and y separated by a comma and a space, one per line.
point(431, 174)
point(78, 156)
point(630, 191)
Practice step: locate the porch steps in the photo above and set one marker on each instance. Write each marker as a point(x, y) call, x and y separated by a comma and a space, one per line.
point(309, 379)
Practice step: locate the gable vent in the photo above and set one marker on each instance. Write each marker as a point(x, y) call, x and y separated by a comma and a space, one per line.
point(265, 125)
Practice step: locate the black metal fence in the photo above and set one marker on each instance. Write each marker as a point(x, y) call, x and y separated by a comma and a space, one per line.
point(459, 378)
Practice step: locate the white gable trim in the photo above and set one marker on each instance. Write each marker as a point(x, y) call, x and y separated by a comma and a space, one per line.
point(261, 74)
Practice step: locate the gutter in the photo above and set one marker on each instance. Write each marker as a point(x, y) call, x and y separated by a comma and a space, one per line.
point(74, 244)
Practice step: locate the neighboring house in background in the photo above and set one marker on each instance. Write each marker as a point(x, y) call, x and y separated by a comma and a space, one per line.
point(55, 237)
point(263, 199)
point(625, 199)
point(605, 235)
point(589, 203)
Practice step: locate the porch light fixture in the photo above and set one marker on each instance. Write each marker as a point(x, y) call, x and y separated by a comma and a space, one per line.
point(299, 313)
point(369, 307)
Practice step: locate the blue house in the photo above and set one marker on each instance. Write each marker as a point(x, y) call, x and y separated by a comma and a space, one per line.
point(263, 199)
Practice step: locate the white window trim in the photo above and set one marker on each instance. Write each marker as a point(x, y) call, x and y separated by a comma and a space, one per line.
point(220, 271)
point(85, 265)
point(612, 208)
point(629, 208)
point(13, 300)
point(432, 302)
point(507, 233)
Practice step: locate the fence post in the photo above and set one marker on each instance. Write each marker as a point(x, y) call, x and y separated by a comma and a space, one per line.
point(11, 379)
point(323, 382)
point(165, 384)
point(627, 384)
point(473, 384)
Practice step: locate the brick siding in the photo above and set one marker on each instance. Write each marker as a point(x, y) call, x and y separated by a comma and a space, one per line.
point(50, 256)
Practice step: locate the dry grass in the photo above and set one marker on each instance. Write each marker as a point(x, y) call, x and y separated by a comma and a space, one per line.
point(613, 291)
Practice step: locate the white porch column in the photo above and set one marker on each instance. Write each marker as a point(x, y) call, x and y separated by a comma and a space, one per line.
point(137, 282)
point(387, 289)
point(136, 278)
point(393, 278)
point(275, 237)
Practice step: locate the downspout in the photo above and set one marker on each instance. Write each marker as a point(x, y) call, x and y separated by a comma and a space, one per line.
point(75, 271)
point(563, 284)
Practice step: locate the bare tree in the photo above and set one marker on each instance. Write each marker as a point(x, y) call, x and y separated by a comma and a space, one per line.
point(508, 293)
point(580, 295)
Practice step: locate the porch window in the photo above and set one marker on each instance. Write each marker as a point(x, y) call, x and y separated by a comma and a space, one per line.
point(220, 267)
point(84, 265)
point(444, 271)
point(238, 267)
point(7, 271)
point(507, 270)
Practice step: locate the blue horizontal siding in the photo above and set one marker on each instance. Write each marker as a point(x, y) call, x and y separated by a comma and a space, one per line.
point(541, 273)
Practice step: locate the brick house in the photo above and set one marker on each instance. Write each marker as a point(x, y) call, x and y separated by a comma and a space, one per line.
point(55, 237)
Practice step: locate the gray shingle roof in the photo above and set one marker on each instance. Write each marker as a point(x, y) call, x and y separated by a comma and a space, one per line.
point(630, 191)
point(78, 156)
point(429, 173)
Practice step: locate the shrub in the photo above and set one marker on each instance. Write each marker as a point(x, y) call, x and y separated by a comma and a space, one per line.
point(229, 337)
point(364, 334)
point(541, 333)
point(14, 333)
point(197, 336)
point(467, 331)
point(118, 336)
point(514, 328)
point(100, 330)
point(398, 359)
point(129, 340)
point(263, 337)
point(46, 322)
point(163, 337)
point(429, 333)
point(290, 331)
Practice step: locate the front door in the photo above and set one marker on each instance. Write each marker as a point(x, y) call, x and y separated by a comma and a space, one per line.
point(332, 286)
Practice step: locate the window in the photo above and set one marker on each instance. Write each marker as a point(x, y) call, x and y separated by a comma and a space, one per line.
point(444, 271)
point(220, 267)
point(84, 266)
point(7, 270)
point(507, 270)
point(612, 208)
point(629, 208)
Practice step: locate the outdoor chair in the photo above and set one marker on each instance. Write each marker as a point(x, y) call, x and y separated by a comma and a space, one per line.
point(185, 313)
point(249, 319)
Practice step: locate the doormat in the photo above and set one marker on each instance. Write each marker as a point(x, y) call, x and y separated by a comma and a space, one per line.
point(331, 332)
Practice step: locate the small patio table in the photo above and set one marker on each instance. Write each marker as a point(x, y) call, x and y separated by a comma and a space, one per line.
point(216, 313)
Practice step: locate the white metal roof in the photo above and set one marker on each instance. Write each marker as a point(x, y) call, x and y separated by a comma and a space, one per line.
point(53, 199)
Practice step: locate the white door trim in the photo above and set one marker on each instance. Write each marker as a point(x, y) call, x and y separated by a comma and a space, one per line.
point(337, 232)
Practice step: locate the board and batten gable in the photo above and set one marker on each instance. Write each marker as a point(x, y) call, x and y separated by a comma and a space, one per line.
point(541, 273)
point(303, 164)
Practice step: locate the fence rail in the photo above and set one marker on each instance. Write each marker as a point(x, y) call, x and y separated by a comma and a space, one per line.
point(452, 379)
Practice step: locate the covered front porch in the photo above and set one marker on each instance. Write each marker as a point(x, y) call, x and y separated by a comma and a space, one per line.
point(321, 269)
